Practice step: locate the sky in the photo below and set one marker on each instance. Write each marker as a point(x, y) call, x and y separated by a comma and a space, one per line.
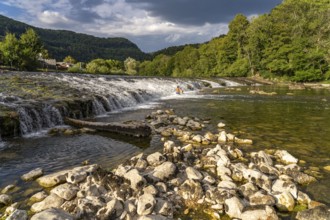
point(151, 24)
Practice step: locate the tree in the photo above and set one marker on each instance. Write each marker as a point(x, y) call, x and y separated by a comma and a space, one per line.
point(69, 59)
point(30, 48)
point(10, 50)
point(131, 66)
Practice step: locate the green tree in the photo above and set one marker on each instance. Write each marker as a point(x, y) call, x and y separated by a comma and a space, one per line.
point(10, 50)
point(69, 59)
point(30, 49)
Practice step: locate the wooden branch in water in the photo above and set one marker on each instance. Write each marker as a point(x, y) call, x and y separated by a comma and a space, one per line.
point(133, 128)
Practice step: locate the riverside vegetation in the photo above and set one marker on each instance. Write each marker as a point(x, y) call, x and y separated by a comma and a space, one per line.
point(199, 174)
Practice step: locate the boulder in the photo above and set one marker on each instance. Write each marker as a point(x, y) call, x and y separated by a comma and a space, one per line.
point(260, 214)
point(319, 212)
point(193, 174)
point(248, 189)
point(164, 171)
point(261, 157)
point(33, 174)
point(38, 196)
point(150, 190)
point(5, 200)
point(145, 204)
point(51, 201)
point(163, 207)
point(18, 215)
point(285, 157)
point(156, 159)
point(53, 179)
point(52, 214)
point(65, 191)
point(285, 186)
point(113, 210)
point(234, 207)
point(222, 137)
point(285, 201)
point(191, 190)
point(136, 180)
point(261, 198)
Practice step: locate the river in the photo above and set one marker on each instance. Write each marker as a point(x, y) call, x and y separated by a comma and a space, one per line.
point(295, 120)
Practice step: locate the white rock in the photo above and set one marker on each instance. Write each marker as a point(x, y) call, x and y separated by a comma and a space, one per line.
point(222, 137)
point(7, 188)
point(221, 125)
point(227, 185)
point(222, 170)
point(33, 174)
point(193, 174)
point(285, 186)
point(261, 198)
point(38, 196)
point(146, 204)
point(209, 180)
point(285, 157)
point(152, 217)
point(65, 191)
point(156, 159)
point(168, 146)
point(230, 137)
point(136, 180)
point(53, 179)
point(284, 201)
point(150, 189)
point(303, 198)
point(164, 171)
point(234, 207)
point(51, 201)
point(243, 141)
point(260, 214)
point(52, 214)
point(198, 138)
point(187, 148)
point(262, 157)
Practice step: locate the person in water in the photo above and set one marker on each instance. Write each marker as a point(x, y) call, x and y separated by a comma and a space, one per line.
point(178, 90)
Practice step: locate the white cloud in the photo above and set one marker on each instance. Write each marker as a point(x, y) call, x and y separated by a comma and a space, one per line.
point(52, 17)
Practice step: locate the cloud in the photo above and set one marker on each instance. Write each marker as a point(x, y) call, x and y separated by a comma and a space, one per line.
point(152, 24)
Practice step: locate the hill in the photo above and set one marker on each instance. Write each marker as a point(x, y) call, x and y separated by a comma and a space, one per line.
point(83, 47)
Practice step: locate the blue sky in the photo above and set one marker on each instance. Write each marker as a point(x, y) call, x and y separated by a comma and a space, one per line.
point(151, 24)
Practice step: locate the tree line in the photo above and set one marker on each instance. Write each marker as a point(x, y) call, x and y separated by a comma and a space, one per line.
point(292, 42)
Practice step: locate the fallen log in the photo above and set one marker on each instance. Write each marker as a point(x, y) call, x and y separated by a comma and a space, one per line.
point(133, 128)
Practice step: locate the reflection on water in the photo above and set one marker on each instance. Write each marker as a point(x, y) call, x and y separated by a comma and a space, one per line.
point(298, 121)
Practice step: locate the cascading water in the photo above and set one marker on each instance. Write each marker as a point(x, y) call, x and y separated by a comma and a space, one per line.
point(92, 95)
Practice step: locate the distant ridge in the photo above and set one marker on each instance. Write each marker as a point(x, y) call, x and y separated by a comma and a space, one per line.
point(83, 47)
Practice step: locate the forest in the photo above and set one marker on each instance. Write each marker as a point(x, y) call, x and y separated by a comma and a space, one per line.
point(291, 42)
point(61, 43)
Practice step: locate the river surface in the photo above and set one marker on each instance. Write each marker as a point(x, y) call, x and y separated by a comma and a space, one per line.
point(295, 120)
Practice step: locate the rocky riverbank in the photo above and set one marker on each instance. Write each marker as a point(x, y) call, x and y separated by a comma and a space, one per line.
point(199, 174)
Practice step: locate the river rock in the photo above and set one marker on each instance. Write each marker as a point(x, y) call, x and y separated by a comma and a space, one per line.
point(221, 125)
point(193, 174)
point(227, 185)
point(65, 191)
point(284, 201)
point(248, 189)
point(187, 148)
point(52, 214)
point(150, 189)
point(33, 174)
point(211, 137)
point(5, 200)
point(152, 217)
point(164, 171)
point(243, 141)
point(38, 197)
point(285, 186)
point(18, 215)
point(51, 201)
point(163, 207)
point(8, 188)
point(198, 138)
point(260, 214)
point(234, 207)
point(285, 157)
point(113, 210)
point(168, 147)
point(222, 137)
point(145, 204)
point(261, 198)
point(222, 170)
point(53, 179)
point(303, 198)
point(156, 159)
point(230, 137)
point(320, 213)
point(191, 190)
point(261, 157)
point(136, 180)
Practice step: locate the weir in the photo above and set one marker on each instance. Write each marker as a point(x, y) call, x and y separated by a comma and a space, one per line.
point(87, 96)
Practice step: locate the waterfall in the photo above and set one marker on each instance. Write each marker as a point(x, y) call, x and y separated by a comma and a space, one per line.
point(33, 119)
point(99, 95)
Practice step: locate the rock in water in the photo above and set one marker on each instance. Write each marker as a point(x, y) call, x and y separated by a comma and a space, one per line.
point(33, 174)
point(320, 213)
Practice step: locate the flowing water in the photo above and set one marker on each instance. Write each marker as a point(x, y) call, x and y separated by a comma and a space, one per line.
point(298, 121)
